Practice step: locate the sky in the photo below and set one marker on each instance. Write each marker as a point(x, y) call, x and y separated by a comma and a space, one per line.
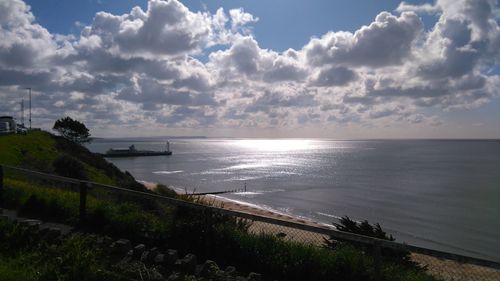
point(267, 69)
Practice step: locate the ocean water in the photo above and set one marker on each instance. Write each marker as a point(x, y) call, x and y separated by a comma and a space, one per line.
point(441, 194)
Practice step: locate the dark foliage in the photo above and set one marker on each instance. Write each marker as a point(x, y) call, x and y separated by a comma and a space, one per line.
point(164, 190)
point(367, 229)
point(123, 179)
point(72, 130)
point(68, 166)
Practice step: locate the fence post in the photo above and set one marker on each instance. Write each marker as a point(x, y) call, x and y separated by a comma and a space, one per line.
point(1, 182)
point(377, 261)
point(83, 200)
point(1, 178)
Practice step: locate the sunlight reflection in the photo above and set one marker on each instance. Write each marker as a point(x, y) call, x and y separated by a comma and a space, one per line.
point(279, 145)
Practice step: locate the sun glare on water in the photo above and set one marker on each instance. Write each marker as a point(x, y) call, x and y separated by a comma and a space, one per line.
point(279, 145)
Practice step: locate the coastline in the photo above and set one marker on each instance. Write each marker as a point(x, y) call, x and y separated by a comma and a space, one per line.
point(249, 208)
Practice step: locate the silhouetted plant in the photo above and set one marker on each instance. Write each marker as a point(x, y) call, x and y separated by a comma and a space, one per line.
point(367, 229)
point(164, 190)
point(72, 130)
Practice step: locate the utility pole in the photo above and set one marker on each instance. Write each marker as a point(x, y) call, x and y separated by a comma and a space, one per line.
point(29, 89)
point(22, 112)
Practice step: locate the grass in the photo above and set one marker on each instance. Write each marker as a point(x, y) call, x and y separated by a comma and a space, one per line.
point(38, 150)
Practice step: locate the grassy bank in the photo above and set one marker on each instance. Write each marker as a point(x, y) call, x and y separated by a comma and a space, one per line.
point(42, 151)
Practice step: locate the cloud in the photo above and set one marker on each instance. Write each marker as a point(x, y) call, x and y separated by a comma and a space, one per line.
point(420, 9)
point(169, 66)
point(386, 41)
point(334, 76)
point(24, 43)
point(239, 18)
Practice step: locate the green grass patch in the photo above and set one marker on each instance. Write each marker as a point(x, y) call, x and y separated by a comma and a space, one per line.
point(40, 151)
point(34, 150)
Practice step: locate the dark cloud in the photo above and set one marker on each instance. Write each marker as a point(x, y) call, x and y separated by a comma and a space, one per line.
point(152, 94)
point(24, 78)
point(272, 100)
point(334, 76)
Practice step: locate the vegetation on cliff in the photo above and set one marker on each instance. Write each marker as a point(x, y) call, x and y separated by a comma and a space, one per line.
point(45, 152)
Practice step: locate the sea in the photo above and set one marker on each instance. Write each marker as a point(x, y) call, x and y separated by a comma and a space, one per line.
point(439, 194)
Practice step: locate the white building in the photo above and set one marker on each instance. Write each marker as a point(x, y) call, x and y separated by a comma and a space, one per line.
point(7, 125)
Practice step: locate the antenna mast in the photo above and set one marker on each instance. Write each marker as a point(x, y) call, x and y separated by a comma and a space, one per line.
point(22, 112)
point(29, 89)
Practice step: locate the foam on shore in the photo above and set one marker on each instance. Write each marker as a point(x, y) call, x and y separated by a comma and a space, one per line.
point(247, 207)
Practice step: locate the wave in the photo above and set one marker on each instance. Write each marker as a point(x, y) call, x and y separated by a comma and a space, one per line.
point(248, 193)
point(168, 172)
point(329, 215)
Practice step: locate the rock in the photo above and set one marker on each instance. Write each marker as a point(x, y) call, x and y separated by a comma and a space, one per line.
point(174, 277)
point(121, 246)
point(53, 233)
point(128, 258)
point(230, 270)
point(159, 259)
point(144, 257)
point(254, 276)
point(107, 240)
point(155, 275)
point(152, 254)
point(100, 241)
point(209, 269)
point(189, 263)
point(138, 250)
point(31, 225)
point(42, 233)
point(171, 256)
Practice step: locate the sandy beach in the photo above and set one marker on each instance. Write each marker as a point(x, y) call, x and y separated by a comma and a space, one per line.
point(239, 206)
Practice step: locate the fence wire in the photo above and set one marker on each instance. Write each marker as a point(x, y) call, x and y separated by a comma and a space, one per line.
point(441, 265)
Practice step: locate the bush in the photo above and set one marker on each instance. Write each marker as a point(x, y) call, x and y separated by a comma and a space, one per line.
point(68, 166)
point(366, 229)
point(164, 190)
point(24, 256)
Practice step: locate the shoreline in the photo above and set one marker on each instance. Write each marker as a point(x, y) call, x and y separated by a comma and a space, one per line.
point(293, 234)
point(249, 208)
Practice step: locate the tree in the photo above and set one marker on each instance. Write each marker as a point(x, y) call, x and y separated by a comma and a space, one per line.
point(72, 130)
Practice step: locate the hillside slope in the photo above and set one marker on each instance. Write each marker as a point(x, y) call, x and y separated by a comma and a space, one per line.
point(40, 150)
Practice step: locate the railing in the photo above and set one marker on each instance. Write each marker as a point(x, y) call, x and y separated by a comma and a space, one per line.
point(447, 266)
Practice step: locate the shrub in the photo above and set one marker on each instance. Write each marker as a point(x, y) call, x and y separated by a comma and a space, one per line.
point(366, 229)
point(68, 166)
point(164, 190)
